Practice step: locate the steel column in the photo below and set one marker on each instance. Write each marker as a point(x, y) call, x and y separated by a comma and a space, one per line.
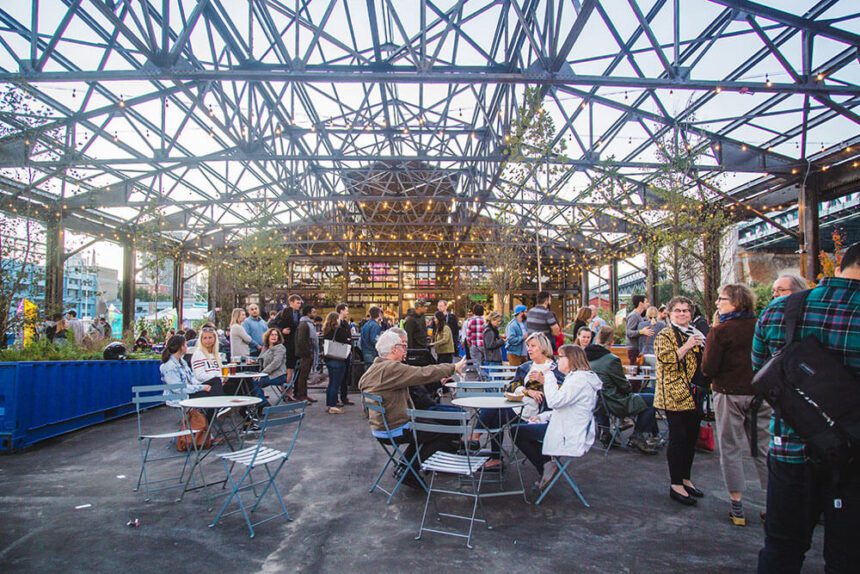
point(54, 261)
point(178, 289)
point(129, 257)
point(583, 287)
point(613, 285)
point(810, 244)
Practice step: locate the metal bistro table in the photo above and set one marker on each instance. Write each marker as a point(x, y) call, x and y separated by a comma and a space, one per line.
point(495, 402)
point(216, 403)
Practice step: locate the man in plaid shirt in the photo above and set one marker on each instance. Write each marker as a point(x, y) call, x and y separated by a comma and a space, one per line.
point(799, 490)
point(474, 328)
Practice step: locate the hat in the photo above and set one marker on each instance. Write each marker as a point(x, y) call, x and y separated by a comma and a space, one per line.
point(520, 309)
point(421, 303)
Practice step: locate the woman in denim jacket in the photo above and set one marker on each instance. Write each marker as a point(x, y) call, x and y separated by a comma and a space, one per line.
point(174, 370)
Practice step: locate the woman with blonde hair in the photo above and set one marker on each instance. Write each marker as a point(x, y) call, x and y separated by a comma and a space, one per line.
point(566, 428)
point(240, 341)
point(206, 362)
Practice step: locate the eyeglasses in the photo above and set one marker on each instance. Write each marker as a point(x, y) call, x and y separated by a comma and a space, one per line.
point(680, 310)
point(722, 299)
point(777, 290)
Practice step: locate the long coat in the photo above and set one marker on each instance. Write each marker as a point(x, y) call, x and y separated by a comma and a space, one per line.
point(616, 388)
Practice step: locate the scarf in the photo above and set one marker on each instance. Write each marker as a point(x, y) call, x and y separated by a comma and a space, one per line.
point(736, 315)
point(689, 330)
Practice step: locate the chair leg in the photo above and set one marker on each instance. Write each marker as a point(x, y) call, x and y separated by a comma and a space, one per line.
point(144, 455)
point(260, 496)
point(426, 505)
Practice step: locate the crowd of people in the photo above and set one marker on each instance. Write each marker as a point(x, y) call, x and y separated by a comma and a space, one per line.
point(571, 388)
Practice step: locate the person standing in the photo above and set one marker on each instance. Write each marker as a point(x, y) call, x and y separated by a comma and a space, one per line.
point(540, 319)
point(515, 337)
point(728, 363)
point(333, 330)
point(474, 338)
point(75, 326)
point(240, 343)
point(679, 356)
point(639, 303)
point(288, 322)
point(307, 347)
point(493, 342)
point(799, 489)
point(255, 327)
point(345, 336)
point(416, 326)
point(450, 320)
point(370, 332)
point(787, 284)
point(597, 322)
point(443, 340)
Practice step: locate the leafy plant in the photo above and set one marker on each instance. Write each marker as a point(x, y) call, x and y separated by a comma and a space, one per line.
point(830, 263)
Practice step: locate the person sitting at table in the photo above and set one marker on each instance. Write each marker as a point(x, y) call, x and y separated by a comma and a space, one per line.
point(619, 399)
point(174, 370)
point(566, 428)
point(206, 362)
point(583, 337)
point(391, 379)
point(529, 380)
point(273, 362)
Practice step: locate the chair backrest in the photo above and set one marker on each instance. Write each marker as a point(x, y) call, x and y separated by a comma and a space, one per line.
point(143, 395)
point(372, 402)
point(467, 389)
point(282, 416)
point(442, 422)
point(501, 373)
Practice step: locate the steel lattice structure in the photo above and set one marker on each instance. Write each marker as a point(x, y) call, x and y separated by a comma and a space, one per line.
point(378, 126)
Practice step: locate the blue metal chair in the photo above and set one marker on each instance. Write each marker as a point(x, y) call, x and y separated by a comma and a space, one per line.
point(147, 396)
point(461, 465)
point(392, 450)
point(257, 456)
point(562, 471)
point(614, 427)
point(467, 389)
point(499, 373)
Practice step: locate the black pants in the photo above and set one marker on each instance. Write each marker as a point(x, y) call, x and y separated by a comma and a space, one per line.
point(300, 378)
point(683, 432)
point(217, 390)
point(797, 494)
point(445, 358)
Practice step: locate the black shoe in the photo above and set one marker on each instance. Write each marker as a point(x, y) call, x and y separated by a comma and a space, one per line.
point(693, 491)
point(677, 497)
point(640, 444)
point(347, 402)
point(605, 437)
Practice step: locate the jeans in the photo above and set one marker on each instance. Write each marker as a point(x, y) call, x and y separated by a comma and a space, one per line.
point(683, 433)
point(797, 494)
point(477, 354)
point(263, 382)
point(217, 390)
point(529, 439)
point(336, 378)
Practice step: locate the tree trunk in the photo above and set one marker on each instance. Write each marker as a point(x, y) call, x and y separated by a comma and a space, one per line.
point(711, 271)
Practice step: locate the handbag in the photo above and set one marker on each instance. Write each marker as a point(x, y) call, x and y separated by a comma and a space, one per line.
point(334, 350)
point(706, 437)
point(198, 423)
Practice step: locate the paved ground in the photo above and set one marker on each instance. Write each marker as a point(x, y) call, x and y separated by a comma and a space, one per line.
point(632, 525)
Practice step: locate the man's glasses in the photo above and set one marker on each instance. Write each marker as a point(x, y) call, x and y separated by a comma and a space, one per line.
point(722, 299)
point(778, 290)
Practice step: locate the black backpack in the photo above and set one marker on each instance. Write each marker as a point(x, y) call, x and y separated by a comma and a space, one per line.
point(810, 388)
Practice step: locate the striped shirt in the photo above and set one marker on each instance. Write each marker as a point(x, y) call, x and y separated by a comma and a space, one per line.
point(475, 331)
point(540, 320)
point(832, 315)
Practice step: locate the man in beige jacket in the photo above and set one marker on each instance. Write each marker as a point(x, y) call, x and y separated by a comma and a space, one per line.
point(390, 378)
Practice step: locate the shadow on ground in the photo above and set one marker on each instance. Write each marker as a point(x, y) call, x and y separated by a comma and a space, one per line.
point(632, 525)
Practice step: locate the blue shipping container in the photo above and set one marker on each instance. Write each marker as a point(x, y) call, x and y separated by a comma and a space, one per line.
point(41, 400)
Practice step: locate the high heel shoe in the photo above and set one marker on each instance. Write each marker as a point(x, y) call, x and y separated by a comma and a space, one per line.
point(678, 497)
point(693, 491)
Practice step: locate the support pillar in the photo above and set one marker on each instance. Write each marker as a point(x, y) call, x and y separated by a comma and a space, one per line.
point(55, 249)
point(583, 287)
point(613, 285)
point(129, 261)
point(651, 278)
point(212, 288)
point(810, 243)
point(178, 288)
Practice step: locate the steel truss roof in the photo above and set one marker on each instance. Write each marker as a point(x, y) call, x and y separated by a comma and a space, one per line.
point(386, 123)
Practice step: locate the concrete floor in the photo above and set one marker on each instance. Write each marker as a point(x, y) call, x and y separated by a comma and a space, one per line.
point(632, 525)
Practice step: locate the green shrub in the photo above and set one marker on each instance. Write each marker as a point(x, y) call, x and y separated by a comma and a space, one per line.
point(46, 351)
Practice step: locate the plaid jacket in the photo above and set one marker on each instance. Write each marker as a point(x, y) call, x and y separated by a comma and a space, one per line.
point(831, 315)
point(475, 331)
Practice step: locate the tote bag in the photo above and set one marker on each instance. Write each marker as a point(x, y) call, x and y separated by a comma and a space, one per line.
point(335, 350)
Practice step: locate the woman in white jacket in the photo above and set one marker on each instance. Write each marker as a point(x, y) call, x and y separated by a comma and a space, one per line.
point(567, 429)
point(206, 362)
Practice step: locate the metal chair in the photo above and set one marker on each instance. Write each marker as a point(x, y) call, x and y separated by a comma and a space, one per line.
point(499, 373)
point(392, 449)
point(440, 422)
point(261, 456)
point(146, 396)
point(614, 428)
point(562, 471)
point(467, 389)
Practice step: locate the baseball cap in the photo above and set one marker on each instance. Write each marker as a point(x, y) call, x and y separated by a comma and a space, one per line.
point(421, 303)
point(519, 309)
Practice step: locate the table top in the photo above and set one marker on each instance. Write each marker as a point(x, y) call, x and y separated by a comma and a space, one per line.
point(222, 402)
point(246, 375)
point(487, 403)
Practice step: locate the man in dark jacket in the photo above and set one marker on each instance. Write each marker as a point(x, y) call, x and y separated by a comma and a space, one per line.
point(416, 326)
point(307, 345)
point(618, 397)
point(288, 321)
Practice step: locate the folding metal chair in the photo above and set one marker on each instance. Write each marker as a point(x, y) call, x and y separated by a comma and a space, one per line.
point(149, 395)
point(281, 391)
point(461, 465)
point(392, 450)
point(261, 456)
point(614, 428)
point(562, 471)
point(499, 373)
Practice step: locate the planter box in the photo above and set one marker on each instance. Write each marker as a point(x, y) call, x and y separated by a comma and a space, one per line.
point(40, 400)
